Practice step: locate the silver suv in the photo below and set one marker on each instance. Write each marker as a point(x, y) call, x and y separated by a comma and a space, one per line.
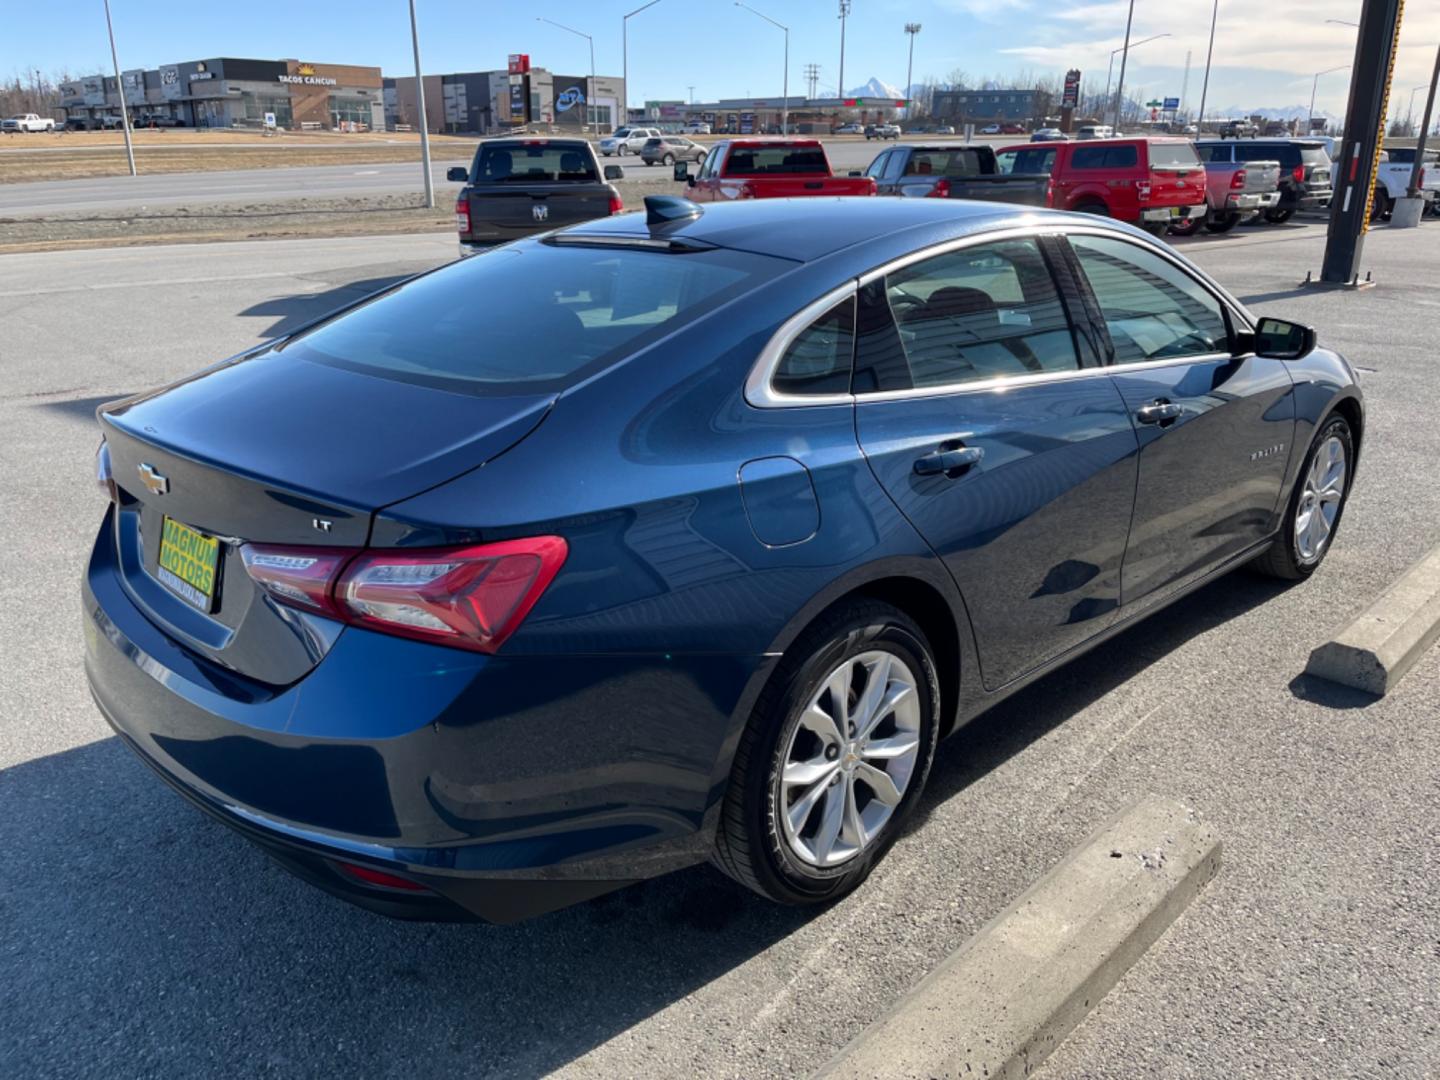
point(628, 140)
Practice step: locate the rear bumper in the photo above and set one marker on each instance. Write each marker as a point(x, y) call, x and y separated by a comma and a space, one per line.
point(507, 788)
point(1163, 213)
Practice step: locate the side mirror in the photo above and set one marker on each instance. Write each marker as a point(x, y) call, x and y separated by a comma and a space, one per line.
point(614, 172)
point(681, 172)
point(1280, 339)
point(457, 174)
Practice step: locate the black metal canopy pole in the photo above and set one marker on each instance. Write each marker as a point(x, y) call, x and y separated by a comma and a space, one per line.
point(1354, 170)
point(1419, 168)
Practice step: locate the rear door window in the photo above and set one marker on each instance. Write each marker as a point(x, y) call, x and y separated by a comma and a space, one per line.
point(529, 318)
point(1152, 309)
point(1104, 157)
point(877, 167)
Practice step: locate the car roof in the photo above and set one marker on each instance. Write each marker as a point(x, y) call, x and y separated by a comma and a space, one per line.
point(806, 229)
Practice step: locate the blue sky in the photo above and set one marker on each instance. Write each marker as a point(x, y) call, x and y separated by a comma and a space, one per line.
point(722, 50)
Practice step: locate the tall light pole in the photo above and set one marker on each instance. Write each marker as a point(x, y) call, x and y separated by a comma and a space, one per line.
point(589, 90)
point(1314, 86)
point(913, 28)
point(1124, 56)
point(1410, 112)
point(625, 56)
point(1110, 71)
point(120, 89)
point(1205, 87)
point(424, 120)
point(785, 99)
point(844, 14)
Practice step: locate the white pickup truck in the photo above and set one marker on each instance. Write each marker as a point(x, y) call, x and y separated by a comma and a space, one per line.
point(27, 122)
point(1392, 180)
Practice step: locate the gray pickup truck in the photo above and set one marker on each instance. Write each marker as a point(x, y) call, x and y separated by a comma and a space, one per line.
point(1234, 192)
point(947, 171)
point(517, 187)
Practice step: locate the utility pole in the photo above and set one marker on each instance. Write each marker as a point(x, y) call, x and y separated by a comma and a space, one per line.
point(812, 76)
point(424, 120)
point(120, 90)
point(1205, 88)
point(1124, 56)
point(692, 95)
point(844, 14)
point(1184, 87)
point(911, 28)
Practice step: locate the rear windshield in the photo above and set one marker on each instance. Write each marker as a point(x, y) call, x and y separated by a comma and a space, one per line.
point(531, 318)
point(653, 142)
point(1170, 155)
point(954, 163)
point(775, 160)
point(1406, 156)
point(513, 163)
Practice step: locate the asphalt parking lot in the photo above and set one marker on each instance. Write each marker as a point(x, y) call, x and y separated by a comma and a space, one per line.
point(138, 938)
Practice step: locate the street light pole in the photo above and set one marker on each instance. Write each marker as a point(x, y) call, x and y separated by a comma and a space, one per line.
point(785, 100)
point(911, 28)
point(844, 14)
point(1124, 56)
point(1111, 70)
point(120, 90)
point(590, 89)
point(1205, 89)
point(1414, 188)
point(625, 55)
point(1314, 87)
point(424, 120)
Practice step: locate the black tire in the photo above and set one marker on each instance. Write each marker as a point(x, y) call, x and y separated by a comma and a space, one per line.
point(1223, 223)
point(750, 845)
point(1093, 207)
point(1185, 227)
point(1283, 559)
point(669, 160)
point(1156, 229)
point(1279, 217)
point(1381, 206)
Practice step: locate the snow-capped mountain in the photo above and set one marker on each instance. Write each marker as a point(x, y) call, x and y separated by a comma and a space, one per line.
point(877, 89)
point(1289, 112)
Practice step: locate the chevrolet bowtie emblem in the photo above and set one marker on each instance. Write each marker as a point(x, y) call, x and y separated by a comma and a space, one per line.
point(153, 481)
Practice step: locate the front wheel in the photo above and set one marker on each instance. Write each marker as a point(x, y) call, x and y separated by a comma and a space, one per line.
point(1313, 511)
point(834, 757)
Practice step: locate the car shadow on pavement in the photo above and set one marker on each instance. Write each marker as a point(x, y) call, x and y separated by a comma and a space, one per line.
point(293, 312)
point(140, 937)
point(995, 736)
point(82, 409)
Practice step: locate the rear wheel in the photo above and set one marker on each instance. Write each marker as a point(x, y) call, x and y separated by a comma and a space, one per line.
point(1313, 511)
point(1278, 217)
point(1093, 207)
point(1381, 206)
point(669, 160)
point(834, 757)
point(1155, 228)
point(1222, 224)
point(1186, 227)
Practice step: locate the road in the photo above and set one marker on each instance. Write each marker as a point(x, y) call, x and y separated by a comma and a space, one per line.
point(143, 939)
point(320, 181)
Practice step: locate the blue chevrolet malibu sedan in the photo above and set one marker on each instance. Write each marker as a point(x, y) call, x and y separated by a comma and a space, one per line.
point(681, 536)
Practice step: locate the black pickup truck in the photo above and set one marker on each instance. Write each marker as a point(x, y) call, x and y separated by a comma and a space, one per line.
point(947, 171)
point(516, 187)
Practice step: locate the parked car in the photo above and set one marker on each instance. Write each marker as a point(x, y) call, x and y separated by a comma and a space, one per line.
point(882, 131)
point(668, 149)
point(1392, 180)
point(1234, 193)
point(1048, 135)
point(1305, 169)
point(769, 169)
point(627, 140)
point(1094, 131)
point(1238, 129)
point(850, 129)
point(1152, 183)
point(990, 129)
point(619, 549)
point(516, 187)
point(944, 129)
point(27, 123)
point(948, 171)
point(697, 127)
point(1012, 129)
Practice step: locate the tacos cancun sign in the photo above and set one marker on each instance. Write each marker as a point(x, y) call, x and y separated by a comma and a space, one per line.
point(305, 74)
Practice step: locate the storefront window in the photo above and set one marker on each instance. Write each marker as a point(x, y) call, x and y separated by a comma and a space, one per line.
point(346, 111)
point(257, 105)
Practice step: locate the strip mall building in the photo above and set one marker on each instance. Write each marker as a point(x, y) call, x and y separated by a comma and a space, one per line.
point(232, 92)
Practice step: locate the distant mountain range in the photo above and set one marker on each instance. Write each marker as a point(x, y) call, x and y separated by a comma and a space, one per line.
point(876, 88)
point(1289, 112)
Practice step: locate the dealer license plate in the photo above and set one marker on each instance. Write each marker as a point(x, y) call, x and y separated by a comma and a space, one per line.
point(188, 560)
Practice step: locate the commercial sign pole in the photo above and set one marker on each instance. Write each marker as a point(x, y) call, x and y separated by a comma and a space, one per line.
point(120, 90)
point(424, 121)
point(1124, 56)
point(1354, 176)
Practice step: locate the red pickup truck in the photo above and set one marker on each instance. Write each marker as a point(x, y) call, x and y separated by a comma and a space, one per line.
point(770, 169)
point(1152, 183)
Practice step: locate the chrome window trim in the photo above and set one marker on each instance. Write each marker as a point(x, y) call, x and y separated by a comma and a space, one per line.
point(759, 392)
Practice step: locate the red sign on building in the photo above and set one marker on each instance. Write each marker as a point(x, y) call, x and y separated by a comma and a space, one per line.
point(519, 63)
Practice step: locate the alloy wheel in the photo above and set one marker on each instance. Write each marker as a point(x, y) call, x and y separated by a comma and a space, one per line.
point(850, 759)
point(1320, 499)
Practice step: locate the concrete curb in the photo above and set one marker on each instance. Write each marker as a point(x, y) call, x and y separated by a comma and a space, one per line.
point(1383, 642)
point(1000, 1004)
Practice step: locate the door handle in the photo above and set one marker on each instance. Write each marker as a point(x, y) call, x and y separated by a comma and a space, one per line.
point(949, 462)
point(1160, 412)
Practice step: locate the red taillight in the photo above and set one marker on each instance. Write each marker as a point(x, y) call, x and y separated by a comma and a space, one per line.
point(746, 191)
point(941, 190)
point(468, 597)
point(1238, 180)
point(371, 876)
point(462, 214)
point(1142, 190)
point(1299, 174)
point(1050, 191)
point(617, 204)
